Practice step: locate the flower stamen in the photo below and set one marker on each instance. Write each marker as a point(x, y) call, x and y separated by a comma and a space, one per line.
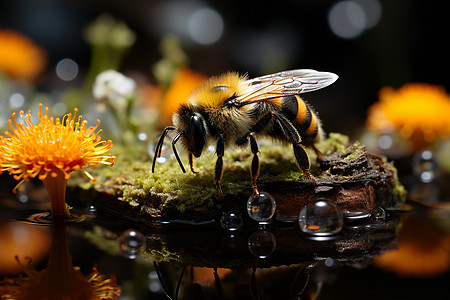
point(52, 148)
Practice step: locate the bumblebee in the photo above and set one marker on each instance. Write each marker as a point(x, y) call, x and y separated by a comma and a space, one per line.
point(232, 109)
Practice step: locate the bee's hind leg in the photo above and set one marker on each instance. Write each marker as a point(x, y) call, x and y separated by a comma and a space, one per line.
point(291, 134)
point(255, 164)
point(218, 170)
point(302, 160)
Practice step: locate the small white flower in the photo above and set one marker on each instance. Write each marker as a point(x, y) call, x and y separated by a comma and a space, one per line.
point(113, 86)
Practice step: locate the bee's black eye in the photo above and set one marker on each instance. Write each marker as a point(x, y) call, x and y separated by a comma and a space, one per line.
point(197, 134)
point(196, 125)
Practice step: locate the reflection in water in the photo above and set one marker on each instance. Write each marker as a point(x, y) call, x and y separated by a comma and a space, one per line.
point(240, 260)
point(423, 250)
point(132, 243)
point(23, 240)
point(378, 213)
point(231, 221)
point(60, 280)
point(286, 282)
point(262, 243)
point(163, 282)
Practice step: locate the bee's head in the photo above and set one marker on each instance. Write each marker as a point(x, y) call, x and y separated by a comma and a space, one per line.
point(193, 127)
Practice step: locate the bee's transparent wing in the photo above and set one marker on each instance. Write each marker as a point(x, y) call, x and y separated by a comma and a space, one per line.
point(284, 83)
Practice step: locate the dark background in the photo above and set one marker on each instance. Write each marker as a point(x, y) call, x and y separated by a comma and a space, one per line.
point(409, 43)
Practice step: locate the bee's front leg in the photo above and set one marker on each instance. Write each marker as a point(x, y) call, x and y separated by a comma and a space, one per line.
point(218, 171)
point(191, 163)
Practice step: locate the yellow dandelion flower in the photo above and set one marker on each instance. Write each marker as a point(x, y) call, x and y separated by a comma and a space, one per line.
point(51, 150)
point(20, 58)
point(415, 111)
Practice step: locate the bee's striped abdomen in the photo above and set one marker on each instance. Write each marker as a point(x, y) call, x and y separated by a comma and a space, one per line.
point(301, 115)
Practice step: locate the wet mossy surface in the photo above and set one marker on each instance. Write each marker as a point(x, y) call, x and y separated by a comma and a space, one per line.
point(346, 173)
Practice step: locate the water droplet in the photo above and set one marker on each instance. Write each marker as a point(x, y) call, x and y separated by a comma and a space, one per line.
point(424, 166)
point(91, 211)
point(231, 242)
point(262, 243)
point(355, 215)
point(132, 243)
point(378, 213)
point(231, 221)
point(321, 217)
point(263, 208)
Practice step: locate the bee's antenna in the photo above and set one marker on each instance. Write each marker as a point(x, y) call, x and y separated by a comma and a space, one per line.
point(158, 147)
point(174, 141)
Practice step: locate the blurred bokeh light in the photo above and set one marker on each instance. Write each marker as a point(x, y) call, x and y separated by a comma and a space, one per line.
point(368, 43)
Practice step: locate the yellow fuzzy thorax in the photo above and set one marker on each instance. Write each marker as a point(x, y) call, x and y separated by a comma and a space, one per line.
point(213, 92)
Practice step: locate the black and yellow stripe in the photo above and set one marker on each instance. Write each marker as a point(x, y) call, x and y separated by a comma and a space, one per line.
point(301, 115)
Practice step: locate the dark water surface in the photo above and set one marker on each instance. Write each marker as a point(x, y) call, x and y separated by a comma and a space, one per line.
point(179, 260)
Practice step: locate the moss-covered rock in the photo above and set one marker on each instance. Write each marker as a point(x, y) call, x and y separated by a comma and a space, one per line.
point(348, 174)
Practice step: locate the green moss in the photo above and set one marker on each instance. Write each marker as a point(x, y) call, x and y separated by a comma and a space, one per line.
point(399, 193)
point(353, 152)
point(335, 142)
point(132, 181)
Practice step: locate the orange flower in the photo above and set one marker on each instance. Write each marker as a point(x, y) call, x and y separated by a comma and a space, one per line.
point(416, 110)
point(51, 150)
point(20, 58)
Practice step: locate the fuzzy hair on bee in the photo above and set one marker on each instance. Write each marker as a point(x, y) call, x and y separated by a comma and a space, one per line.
point(209, 101)
point(231, 109)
